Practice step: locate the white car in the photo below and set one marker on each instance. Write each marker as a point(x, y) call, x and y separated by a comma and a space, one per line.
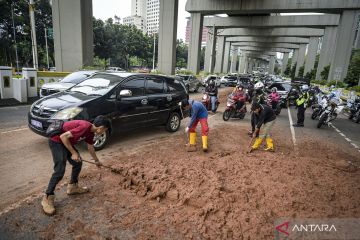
point(224, 79)
point(212, 77)
point(68, 82)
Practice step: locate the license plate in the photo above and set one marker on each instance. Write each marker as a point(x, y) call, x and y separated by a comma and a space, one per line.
point(36, 123)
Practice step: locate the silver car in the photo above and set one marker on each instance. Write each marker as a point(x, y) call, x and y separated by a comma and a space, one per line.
point(68, 82)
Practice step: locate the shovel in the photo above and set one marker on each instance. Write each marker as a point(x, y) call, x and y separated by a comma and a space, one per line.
point(114, 170)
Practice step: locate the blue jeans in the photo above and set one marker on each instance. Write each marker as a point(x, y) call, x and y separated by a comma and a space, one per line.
point(60, 154)
point(213, 103)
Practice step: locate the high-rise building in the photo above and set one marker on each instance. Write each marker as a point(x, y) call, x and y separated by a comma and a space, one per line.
point(138, 7)
point(148, 10)
point(136, 20)
point(188, 33)
point(152, 16)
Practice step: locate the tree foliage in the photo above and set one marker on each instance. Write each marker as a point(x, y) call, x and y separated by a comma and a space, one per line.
point(353, 74)
point(325, 72)
point(43, 18)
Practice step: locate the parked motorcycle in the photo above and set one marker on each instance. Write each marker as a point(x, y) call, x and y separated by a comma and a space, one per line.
point(354, 110)
point(330, 113)
point(319, 107)
point(291, 97)
point(206, 100)
point(231, 110)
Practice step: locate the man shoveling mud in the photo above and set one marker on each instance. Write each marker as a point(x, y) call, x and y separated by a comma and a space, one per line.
point(198, 114)
point(266, 118)
point(62, 149)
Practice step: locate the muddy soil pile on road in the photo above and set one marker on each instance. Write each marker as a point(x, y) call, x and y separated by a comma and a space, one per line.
point(162, 192)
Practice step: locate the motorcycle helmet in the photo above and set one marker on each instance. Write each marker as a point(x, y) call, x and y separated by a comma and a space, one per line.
point(240, 87)
point(212, 82)
point(304, 87)
point(274, 90)
point(259, 85)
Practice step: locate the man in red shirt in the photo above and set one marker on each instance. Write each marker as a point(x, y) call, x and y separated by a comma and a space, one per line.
point(62, 149)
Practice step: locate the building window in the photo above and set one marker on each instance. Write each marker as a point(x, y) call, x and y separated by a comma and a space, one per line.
point(32, 81)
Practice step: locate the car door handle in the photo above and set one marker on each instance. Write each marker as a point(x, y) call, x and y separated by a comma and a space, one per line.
point(144, 101)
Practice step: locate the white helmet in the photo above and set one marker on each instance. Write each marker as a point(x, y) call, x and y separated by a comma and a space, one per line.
point(259, 85)
point(304, 87)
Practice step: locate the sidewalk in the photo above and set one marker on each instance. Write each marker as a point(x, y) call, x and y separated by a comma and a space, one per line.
point(10, 102)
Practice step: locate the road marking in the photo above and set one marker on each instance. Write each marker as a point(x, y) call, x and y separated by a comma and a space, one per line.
point(15, 130)
point(346, 138)
point(292, 128)
point(212, 116)
point(355, 146)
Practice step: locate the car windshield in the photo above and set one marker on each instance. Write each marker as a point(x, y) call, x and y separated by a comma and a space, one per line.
point(99, 84)
point(281, 87)
point(75, 77)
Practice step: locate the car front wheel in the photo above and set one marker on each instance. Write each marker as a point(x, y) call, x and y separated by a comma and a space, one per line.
point(101, 140)
point(173, 123)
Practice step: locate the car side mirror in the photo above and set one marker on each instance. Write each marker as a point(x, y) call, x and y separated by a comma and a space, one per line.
point(125, 93)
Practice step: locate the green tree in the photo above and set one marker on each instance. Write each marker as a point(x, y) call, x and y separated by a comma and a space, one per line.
point(325, 73)
point(301, 71)
point(353, 74)
point(287, 71)
point(43, 19)
point(181, 54)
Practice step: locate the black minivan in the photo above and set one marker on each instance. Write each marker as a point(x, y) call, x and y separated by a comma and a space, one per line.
point(130, 100)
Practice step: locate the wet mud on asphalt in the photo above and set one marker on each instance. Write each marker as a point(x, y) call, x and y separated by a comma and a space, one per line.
point(160, 191)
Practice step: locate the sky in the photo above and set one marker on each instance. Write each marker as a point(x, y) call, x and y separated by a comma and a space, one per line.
point(105, 9)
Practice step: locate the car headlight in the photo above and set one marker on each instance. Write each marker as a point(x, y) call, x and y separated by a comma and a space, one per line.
point(68, 113)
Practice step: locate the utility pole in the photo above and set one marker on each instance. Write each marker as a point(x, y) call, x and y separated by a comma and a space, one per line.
point(16, 53)
point(33, 34)
point(212, 50)
point(154, 53)
point(47, 50)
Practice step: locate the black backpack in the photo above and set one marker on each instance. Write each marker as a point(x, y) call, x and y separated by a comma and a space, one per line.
point(55, 128)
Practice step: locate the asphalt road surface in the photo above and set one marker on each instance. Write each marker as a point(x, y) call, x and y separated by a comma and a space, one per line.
point(26, 165)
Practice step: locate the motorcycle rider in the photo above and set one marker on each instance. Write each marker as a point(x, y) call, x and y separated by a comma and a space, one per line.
point(266, 117)
point(239, 94)
point(274, 98)
point(212, 91)
point(259, 97)
point(198, 113)
point(301, 104)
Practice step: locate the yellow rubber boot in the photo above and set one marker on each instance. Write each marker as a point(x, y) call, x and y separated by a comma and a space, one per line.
point(205, 143)
point(269, 145)
point(257, 144)
point(192, 145)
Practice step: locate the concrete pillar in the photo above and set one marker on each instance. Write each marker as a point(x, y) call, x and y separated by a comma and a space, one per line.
point(243, 62)
point(167, 36)
point(209, 43)
point(196, 22)
point(301, 58)
point(311, 54)
point(234, 52)
point(6, 82)
point(20, 89)
point(246, 65)
point(30, 74)
point(73, 34)
point(294, 57)
point(226, 57)
point(285, 61)
point(344, 43)
point(251, 65)
point(220, 54)
point(272, 65)
point(327, 50)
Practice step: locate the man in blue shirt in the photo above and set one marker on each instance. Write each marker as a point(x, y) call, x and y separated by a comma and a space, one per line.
point(198, 114)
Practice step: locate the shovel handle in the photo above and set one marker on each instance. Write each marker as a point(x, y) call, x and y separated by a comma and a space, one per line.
point(96, 164)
